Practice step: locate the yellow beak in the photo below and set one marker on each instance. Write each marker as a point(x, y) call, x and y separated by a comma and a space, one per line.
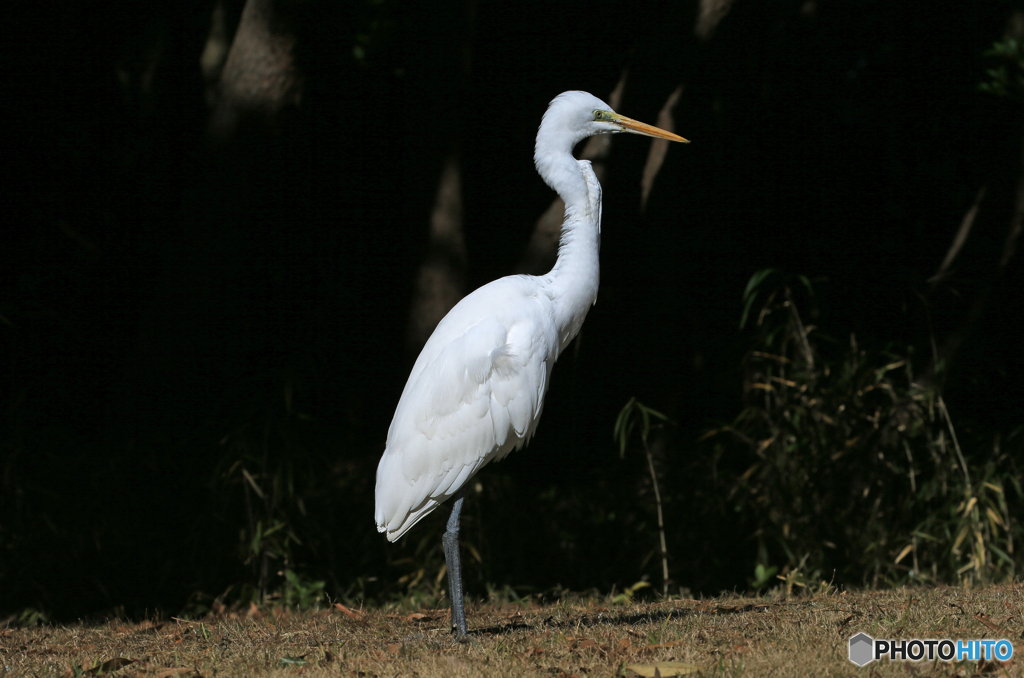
point(637, 127)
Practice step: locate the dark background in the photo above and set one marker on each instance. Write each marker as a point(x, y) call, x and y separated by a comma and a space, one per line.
point(190, 279)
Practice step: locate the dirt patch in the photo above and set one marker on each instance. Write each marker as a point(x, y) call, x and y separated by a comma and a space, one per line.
point(730, 636)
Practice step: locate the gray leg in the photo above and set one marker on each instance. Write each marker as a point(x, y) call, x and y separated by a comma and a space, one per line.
point(454, 561)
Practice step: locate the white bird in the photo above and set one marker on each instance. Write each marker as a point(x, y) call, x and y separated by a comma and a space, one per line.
point(477, 389)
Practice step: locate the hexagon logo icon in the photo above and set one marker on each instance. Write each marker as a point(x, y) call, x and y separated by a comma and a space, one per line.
point(862, 649)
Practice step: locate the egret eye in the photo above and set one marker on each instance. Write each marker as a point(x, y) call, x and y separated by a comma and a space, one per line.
point(598, 115)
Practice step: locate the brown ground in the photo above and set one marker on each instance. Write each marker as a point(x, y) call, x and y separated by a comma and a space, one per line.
point(773, 636)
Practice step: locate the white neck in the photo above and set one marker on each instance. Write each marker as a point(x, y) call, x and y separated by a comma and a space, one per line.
point(572, 283)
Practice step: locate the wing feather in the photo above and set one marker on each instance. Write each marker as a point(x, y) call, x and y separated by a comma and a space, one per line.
point(475, 400)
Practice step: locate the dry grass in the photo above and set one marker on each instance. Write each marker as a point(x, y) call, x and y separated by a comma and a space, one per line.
point(732, 636)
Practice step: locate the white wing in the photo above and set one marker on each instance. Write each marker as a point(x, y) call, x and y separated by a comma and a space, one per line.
point(474, 395)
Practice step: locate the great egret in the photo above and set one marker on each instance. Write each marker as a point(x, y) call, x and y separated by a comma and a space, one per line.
point(477, 389)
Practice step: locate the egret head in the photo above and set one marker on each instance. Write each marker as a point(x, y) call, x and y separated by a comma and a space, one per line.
point(577, 115)
point(572, 117)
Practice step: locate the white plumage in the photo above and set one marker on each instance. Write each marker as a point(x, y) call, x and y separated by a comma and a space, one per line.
point(477, 389)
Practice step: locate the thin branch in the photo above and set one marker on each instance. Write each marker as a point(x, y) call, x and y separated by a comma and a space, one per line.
point(956, 444)
point(661, 520)
point(959, 239)
point(659, 147)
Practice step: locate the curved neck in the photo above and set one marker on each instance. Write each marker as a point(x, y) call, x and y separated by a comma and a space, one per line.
point(572, 283)
point(556, 165)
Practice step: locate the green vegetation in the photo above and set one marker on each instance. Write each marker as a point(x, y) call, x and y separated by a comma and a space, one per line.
point(1006, 79)
point(852, 467)
point(844, 467)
